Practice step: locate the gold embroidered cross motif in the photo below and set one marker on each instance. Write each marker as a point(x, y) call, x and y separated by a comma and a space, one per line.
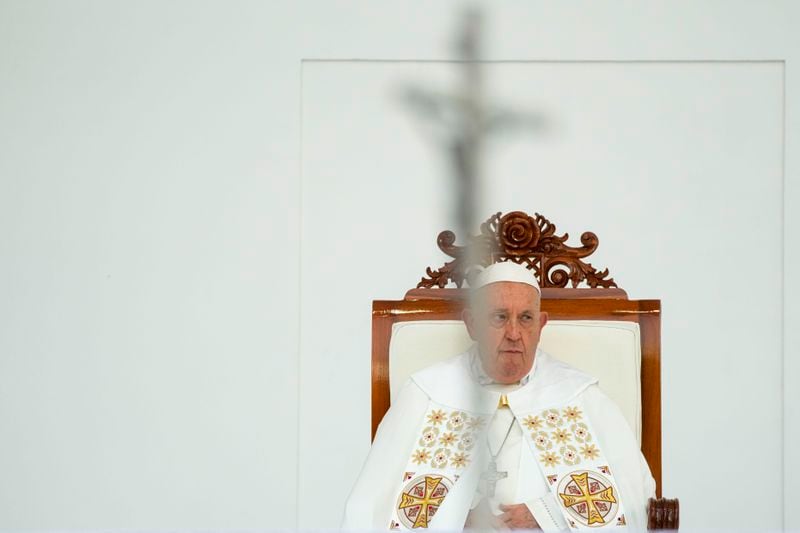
point(588, 498)
point(422, 499)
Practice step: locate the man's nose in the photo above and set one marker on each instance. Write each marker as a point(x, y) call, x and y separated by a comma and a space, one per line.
point(513, 332)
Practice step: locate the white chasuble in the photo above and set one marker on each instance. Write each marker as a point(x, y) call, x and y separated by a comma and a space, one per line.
point(569, 453)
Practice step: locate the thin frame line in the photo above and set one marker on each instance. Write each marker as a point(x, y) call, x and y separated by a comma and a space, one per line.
point(547, 61)
point(300, 228)
point(783, 299)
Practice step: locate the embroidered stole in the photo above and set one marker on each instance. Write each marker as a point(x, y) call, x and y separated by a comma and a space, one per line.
point(564, 445)
point(445, 448)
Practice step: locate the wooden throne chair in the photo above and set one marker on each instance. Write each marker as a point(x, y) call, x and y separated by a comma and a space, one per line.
point(596, 328)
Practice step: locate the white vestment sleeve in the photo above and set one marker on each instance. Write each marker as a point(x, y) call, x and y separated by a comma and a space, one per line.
point(546, 512)
point(372, 499)
point(630, 469)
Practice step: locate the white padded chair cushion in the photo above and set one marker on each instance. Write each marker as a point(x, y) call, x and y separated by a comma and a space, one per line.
point(607, 350)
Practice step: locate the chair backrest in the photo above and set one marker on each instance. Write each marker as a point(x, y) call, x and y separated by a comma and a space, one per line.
point(609, 350)
point(597, 329)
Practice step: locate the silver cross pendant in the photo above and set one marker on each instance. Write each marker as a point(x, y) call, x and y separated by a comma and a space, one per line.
point(491, 477)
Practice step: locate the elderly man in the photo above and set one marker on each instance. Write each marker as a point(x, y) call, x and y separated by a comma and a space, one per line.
point(502, 436)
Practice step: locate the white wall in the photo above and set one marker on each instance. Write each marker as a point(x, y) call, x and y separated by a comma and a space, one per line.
point(172, 242)
point(148, 278)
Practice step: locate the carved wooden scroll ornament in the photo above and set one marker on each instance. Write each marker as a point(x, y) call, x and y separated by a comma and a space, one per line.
point(530, 241)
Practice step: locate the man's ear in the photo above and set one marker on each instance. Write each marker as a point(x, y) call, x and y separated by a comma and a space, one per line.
point(469, 320)
point(543, 317)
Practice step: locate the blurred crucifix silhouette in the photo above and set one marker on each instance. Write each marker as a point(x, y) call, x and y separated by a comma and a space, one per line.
point(461, 122)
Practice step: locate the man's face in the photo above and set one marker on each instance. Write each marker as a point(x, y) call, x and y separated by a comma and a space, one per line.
point(506, 323)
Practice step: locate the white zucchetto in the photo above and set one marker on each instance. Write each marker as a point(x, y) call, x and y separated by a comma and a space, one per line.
point(504, 271)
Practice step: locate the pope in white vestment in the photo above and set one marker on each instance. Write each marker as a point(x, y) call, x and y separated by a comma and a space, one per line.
point(503, 435)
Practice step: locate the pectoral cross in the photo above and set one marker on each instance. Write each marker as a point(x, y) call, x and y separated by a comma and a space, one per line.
point(491, 477)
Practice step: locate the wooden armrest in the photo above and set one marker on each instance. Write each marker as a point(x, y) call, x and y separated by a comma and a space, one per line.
point(662, 514)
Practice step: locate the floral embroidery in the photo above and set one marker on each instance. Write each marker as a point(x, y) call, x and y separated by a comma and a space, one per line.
point(447, 439)
point(561, 436)
point(564, 430)
point(549, 459)
point(590, 452)
point(456, 421)
point(581, 432)
point(428, 438)
point(572, 414)
point(467, 442)
point(552, 417)
point(436, 417)
point(533, 422)
point(420, 456)
point(541, 441)
point(475, 423)
point(459, 460)
point(440, 458)
point(447, 432)
point(570, 455)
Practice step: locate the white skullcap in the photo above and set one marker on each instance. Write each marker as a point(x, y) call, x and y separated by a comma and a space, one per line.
point(505, 271)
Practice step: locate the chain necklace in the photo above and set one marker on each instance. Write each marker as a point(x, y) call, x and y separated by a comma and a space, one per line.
point(492, 475)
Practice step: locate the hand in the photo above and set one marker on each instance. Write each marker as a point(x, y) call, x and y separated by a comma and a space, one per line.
point(517, 516)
